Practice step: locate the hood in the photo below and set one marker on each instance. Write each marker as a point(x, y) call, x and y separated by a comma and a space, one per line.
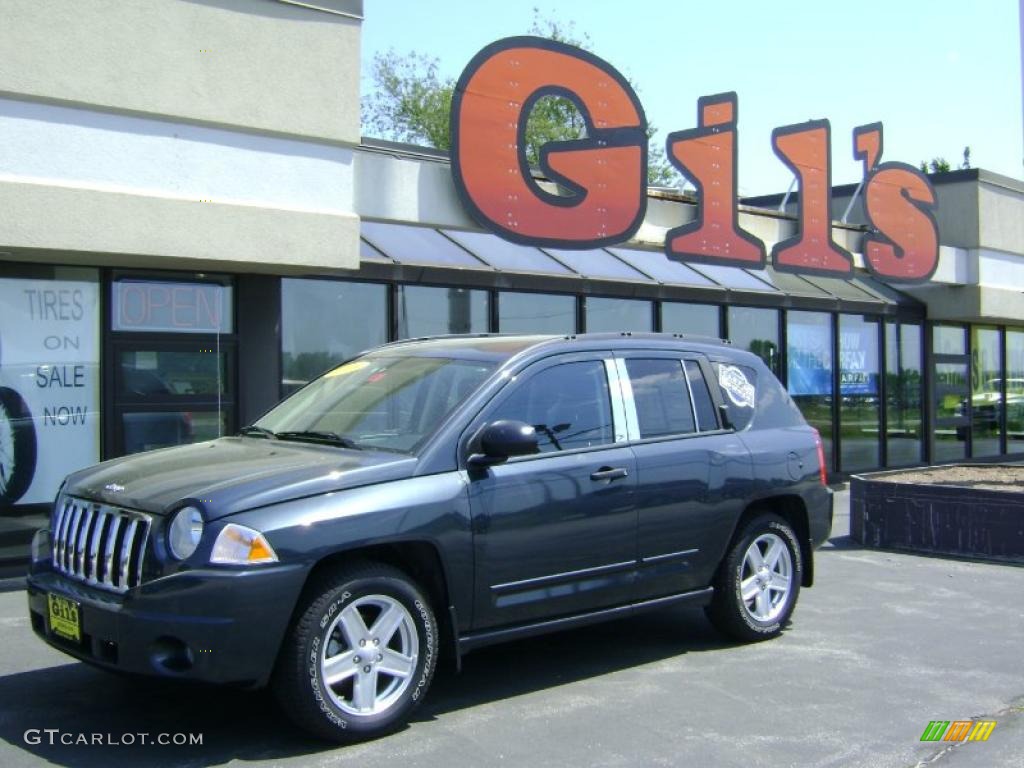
point(233, 474)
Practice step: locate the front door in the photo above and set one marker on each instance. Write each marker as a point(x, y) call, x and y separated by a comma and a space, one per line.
point(555, 533)
point(951, 394)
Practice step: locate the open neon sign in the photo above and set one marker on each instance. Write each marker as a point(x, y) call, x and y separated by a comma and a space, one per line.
point(605, 174)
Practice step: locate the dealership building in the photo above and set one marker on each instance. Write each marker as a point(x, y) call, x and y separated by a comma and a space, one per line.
point(192, 227)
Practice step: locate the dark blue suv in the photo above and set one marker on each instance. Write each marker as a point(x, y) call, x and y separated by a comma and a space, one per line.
point(435, 496)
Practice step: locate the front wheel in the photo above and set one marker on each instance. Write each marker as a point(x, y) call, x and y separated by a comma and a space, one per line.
point(360, 656)
point(757, 584)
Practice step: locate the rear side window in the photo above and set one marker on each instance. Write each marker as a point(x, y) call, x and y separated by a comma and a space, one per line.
point(569, 405)
point(661, 397)
point(706, 419)
point(739, 387)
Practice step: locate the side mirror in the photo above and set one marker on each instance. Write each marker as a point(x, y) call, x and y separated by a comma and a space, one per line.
point(501, 440)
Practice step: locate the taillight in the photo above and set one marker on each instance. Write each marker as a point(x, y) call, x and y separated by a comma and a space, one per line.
point(821, 457)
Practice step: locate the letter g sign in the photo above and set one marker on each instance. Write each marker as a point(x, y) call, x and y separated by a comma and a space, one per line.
point(605, 173)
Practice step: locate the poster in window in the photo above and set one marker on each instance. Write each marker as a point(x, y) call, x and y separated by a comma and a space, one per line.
point(809, 354)
point(858, 356)
point(49, 385)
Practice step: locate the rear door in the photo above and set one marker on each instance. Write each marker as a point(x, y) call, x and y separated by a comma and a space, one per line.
point(693, 476)
point(555, 533)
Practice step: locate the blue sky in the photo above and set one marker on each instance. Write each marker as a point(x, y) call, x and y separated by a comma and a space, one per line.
point(940, 75)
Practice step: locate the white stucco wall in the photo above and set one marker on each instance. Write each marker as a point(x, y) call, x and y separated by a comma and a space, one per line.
point(176, 132)
point(48, 144)
point(260, 64)
point(1001, 218)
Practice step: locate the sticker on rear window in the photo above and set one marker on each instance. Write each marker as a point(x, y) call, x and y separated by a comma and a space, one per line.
point(342, 370)
point(735, 384)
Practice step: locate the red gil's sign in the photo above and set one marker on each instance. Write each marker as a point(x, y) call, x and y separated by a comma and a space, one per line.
point(605, 174)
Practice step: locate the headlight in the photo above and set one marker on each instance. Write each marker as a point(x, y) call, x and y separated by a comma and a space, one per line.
point(185, 531)
point(238, 545)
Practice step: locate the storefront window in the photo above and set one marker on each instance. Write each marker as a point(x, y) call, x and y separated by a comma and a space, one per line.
point(756, 330)
point(324, 322)
point(859, 407)
point(809, 352)
point(536, 313)
point(948, 340)
point(49, 382)
point(903, 393)
point(695, 319)
point(618, 315)
point(1015, 391)
point(429, 311)
point(986, 391)
point(951, 382)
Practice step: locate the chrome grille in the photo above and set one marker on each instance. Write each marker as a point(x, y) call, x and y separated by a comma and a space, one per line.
point(101, 545)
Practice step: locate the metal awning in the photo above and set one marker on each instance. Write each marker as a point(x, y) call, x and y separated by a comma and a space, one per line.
point(638, 271)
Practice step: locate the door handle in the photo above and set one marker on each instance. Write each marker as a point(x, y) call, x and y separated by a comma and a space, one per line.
point(609, 473)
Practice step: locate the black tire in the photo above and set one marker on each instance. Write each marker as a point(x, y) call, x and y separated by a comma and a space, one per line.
point(728, 611)
point(298, 681)
point(19, 467)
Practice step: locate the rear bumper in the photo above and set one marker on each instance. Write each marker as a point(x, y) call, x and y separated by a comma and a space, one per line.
point(819, 501)
point(219, 626)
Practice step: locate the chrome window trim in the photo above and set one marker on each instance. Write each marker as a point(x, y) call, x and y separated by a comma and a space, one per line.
point(632, 420)
point(620, 425)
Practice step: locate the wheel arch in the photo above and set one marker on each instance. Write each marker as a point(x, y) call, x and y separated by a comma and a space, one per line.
point(420, 560)
point(793, 510)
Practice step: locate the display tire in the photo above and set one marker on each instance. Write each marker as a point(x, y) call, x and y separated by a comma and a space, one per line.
point(18, 468)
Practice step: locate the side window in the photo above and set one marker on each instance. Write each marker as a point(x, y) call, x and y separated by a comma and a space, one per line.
point(661, 398)
point(738, 384)
point(706, 420)
point(569, 405)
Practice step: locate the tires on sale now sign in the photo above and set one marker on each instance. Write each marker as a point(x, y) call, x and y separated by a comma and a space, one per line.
point(49, 385)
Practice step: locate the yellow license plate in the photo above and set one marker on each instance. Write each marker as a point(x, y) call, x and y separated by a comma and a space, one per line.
point(64, 621)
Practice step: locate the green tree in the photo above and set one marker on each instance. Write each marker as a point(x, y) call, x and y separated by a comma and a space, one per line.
point(411, 102)
point(936, 165)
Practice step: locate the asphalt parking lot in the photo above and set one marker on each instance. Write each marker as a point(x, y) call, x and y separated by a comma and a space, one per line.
point(883, 644)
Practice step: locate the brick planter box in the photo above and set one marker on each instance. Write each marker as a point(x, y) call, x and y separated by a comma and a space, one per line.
point(974, 511)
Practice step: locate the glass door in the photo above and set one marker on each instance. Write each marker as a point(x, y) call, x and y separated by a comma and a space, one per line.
point(171, 392)
point(951, 393)
point(173, 364)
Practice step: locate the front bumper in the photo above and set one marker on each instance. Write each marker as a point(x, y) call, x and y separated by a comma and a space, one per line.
point(213, 625)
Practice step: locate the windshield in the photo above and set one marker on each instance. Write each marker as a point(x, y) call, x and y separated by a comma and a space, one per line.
point(379, 401)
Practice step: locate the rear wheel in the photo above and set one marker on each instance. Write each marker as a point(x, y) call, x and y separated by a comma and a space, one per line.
point(360, 656)
point(758, 582)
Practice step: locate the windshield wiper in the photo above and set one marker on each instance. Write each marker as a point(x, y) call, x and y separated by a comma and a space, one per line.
point(252, 429)
point(323, 437)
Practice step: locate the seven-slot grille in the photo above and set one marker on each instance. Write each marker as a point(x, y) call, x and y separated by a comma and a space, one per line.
point(101, 545)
